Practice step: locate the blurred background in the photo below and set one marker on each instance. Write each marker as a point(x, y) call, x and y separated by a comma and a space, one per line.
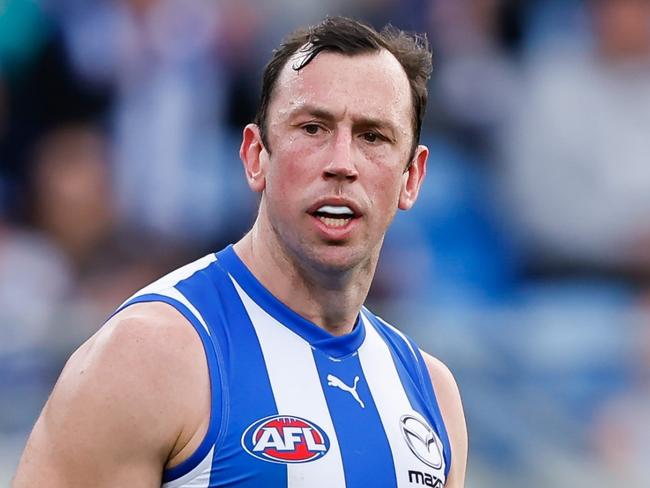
point(525, 265)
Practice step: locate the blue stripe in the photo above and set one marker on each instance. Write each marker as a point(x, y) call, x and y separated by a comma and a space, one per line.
point(437, 419)
point(416, 381)
point(365, 451)
point(250, 396)
point(215, 382)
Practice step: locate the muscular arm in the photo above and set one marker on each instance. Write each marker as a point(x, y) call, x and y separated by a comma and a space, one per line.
point(451, 408)
point(121, 409)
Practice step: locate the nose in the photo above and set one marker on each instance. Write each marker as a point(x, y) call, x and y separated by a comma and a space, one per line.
point(341, 164)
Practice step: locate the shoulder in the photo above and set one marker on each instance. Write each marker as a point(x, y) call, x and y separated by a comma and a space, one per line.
point(147, 362)
point(451, 408)
point(152, 342)
point(143, 332)
point(441, 376)
point(137, 390)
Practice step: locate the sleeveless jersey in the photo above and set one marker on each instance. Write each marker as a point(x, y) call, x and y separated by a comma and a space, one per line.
point(294, 406)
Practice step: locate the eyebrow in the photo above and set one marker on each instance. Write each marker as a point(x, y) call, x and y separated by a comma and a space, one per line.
point(324, 114)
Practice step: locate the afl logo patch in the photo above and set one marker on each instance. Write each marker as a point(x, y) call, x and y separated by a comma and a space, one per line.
point(285, 439)
point(422, 440)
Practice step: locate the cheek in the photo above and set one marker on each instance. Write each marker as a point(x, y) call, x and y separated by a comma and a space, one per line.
point(291, 154)
point(387, 162)
point(384, 191)
point(286, 179)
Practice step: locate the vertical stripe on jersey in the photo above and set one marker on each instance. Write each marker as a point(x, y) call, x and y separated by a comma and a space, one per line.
point(412, 369)
point(246, 393)
point(296, 388)
point(367, 459)
point(392, 401)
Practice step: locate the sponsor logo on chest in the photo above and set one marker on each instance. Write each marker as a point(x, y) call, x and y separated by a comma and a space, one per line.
point(426, 479)
point(285, 439)
point(425, 445)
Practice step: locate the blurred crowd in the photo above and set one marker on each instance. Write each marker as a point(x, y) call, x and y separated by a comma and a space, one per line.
point(525, 264)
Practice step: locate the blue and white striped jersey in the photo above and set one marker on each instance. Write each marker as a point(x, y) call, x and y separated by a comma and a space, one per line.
point(292, 405)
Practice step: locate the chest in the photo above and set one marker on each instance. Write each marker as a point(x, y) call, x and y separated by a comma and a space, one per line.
point(298, 416)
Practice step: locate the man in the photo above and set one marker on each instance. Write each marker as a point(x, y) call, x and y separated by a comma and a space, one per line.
point(257, 366)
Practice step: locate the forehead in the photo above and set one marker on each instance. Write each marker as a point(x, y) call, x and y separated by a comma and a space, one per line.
point(364, 85)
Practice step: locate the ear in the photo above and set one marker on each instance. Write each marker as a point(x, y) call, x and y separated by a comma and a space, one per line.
point(254, 156)
point(413, 178)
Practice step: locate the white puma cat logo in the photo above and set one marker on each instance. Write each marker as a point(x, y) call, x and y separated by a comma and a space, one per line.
point(352, 390)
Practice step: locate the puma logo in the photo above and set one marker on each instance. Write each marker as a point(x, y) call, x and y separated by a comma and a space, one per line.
point(352, 390)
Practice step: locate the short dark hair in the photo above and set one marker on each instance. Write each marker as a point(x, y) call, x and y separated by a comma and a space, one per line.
point(351, 37)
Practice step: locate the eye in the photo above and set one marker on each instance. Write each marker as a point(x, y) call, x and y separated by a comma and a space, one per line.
point(311, 129)
point(371, 136)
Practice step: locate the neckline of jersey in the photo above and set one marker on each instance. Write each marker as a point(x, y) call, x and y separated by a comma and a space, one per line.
point(316, 336)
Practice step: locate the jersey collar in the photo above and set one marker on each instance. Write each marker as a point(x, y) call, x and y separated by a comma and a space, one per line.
point(319, 338)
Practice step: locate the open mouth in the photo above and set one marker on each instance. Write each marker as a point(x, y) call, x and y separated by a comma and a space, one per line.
point(334, 215)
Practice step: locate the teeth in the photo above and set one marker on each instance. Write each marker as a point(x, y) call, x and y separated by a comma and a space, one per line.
point(330, 222)
point(336, 210)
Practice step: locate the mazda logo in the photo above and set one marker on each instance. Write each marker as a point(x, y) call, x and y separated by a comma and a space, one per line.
point(422, 440)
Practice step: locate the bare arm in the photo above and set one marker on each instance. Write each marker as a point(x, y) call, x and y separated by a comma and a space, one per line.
point(121, 410)
point(451, 408)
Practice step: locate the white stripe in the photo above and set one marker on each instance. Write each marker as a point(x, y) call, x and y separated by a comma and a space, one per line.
point(171, 279)
point(297, 391)
point(199, 477)
point(391, 400)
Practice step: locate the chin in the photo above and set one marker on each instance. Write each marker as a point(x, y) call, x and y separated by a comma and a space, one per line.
point(337, 257)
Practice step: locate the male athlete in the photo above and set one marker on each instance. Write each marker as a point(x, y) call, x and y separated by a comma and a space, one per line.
point(258, 366)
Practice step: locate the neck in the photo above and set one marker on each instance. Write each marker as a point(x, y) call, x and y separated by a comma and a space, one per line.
point(329, 297)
